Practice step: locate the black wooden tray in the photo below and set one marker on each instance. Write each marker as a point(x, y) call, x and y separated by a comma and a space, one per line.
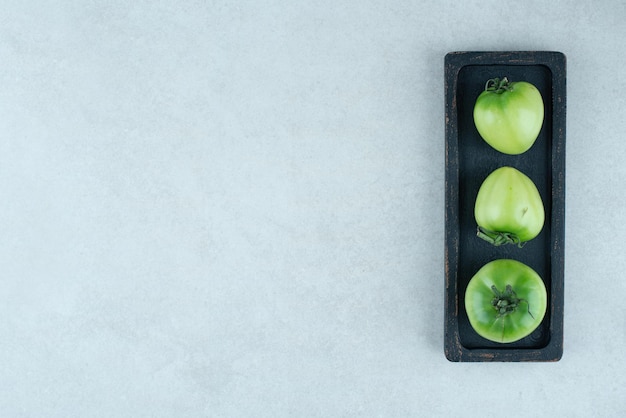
point(469, 160)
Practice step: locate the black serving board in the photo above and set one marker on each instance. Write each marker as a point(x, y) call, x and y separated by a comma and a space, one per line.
point(469, 159)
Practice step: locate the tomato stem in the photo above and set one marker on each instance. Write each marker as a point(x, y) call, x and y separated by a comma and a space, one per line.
point(498, 85)
point(499, 238)
point(506, 302)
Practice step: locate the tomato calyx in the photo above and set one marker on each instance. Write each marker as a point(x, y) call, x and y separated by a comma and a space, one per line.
point(506, 302)
point(499, 238)
point(498, 85)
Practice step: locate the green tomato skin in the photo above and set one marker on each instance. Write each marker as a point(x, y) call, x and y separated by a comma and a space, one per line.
point(510, 121)
point(528, 286)
point(508, 201)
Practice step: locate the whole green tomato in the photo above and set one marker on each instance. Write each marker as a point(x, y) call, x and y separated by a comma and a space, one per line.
point(505, 301)
point(508, 208)
point(509, 115)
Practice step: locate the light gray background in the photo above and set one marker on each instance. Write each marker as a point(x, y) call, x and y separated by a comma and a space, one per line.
point(236, 209)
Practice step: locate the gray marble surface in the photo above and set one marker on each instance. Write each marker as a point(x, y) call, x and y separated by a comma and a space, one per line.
point(235, 209)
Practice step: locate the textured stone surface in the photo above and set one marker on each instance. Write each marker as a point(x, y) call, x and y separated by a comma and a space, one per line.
point(235, 209)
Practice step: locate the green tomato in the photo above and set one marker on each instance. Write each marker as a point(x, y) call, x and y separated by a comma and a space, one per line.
point(509, 115)
point(508, 208)
point(505, 301)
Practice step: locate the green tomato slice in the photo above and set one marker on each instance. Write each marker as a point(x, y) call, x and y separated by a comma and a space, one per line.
point(505, 301)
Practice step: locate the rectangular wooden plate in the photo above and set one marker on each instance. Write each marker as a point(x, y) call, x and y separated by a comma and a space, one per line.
point(469, 159)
